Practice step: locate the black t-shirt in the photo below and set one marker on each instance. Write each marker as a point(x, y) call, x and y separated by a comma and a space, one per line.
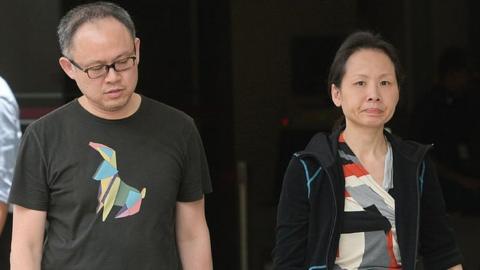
point(76, 167)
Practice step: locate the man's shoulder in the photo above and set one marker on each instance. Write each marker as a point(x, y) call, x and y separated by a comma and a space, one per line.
point(55, 117)
point(160, 109)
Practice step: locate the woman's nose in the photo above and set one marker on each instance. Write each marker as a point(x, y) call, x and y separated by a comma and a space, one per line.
point(373, 93)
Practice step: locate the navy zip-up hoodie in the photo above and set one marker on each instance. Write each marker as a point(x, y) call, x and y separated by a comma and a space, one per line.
point(311, 208)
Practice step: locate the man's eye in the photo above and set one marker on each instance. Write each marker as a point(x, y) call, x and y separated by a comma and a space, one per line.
point(122, 61)
point(96, 68)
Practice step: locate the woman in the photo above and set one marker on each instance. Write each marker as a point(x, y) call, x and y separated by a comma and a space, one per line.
point(362, 198)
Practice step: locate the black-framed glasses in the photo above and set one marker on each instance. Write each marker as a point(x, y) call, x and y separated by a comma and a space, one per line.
point(98, 71)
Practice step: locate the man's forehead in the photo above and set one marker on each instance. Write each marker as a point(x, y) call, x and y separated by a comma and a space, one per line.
point(100, 27)
point(105, 37)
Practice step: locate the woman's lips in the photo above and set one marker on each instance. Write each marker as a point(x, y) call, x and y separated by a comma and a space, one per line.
point(373, 111)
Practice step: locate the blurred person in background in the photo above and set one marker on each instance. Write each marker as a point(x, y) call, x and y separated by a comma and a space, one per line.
point(448, 116)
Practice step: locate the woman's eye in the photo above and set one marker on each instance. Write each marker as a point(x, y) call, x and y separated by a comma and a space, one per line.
point(384, 83)
point(360, 83)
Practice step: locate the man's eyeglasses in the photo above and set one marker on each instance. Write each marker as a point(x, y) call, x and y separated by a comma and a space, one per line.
point(98, 71)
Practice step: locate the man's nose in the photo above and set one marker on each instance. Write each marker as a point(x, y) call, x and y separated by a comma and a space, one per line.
point(112, 74)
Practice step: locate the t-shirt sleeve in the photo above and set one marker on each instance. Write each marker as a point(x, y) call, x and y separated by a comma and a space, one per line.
point(196, 176)
point(29, 186)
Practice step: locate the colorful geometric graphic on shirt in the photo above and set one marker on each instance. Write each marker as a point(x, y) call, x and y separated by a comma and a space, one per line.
point(368, 236)
point(112, 190)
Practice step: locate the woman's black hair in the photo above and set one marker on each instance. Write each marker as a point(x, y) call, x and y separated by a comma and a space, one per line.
point(354, 42)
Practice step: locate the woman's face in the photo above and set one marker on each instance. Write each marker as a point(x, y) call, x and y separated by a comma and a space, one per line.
point(369, 92)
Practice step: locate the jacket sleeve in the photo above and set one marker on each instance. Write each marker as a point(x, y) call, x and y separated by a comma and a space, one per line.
point(292, 220)
point(437, 242)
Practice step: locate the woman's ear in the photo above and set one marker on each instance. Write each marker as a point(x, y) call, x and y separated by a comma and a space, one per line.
point(336, 95)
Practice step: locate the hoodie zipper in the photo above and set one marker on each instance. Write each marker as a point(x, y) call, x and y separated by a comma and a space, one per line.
point(334, 218)
point(422, 159)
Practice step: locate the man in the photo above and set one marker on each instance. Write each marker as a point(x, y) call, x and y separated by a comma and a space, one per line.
point(119, 178)
point(9, 139)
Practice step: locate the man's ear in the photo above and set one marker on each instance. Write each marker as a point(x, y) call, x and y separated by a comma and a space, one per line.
point(336, 95)
point(137, 50)
point(67, 67)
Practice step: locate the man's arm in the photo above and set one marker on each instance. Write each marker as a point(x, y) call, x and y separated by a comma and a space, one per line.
point(3, 215)
point(27, 238)
point(456, 267)
point(193, 238)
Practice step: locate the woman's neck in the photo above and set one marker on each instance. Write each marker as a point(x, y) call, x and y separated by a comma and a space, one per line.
point(366, 143)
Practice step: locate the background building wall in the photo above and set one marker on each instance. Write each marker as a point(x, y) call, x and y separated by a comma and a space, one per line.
point(29, 51)
point(262, 34)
